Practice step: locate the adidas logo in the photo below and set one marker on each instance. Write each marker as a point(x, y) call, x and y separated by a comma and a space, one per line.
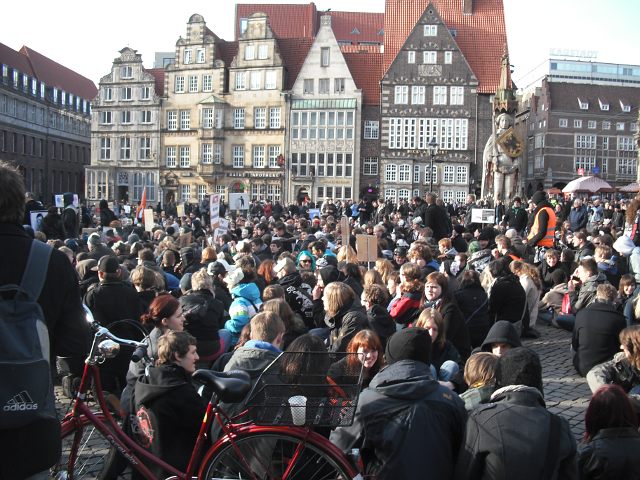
point(20, 403)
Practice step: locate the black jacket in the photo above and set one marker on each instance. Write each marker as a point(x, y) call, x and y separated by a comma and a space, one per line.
point(406, 424)
point(36, 447)
point(474, 305)
point(344, 325)
point(111, 301)
point(167, 393)
point(381, 322)
point(456, 331)
point(298, 296)
point(437, 219)
point(595, 335)
point(516, 218)
point(508, 300)
point(52, 226)
point(204, 316)
point(612, 454)
point(222, 293)
point(509, 437)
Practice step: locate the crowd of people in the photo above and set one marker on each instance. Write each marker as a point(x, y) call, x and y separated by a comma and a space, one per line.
point(436, 323)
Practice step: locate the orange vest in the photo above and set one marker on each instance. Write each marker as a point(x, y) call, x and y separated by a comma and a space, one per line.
point(547, 240)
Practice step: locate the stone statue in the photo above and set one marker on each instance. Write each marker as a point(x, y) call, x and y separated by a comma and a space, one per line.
point(500, 160)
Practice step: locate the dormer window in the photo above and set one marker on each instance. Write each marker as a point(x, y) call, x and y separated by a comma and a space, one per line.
point(411, 56)
point(430, 30)
point(604, 104)
point(188, 56)
point(355, 31)
point(263, 51)
point(625, 106)
point(324, 56)
point(584, 105)
point(249, 52)
point(126, 72)
point(200, 55)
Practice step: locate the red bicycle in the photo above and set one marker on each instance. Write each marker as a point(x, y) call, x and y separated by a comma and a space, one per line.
point(244, 450)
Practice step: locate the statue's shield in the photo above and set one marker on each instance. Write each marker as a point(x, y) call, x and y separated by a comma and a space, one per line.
point(510, 143)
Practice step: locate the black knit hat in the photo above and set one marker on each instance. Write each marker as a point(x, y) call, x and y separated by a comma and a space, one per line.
point(539, 197)
point(412, 343)
point(519, 366)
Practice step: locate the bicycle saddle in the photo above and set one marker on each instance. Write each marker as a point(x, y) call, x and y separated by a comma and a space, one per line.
point(230, 387)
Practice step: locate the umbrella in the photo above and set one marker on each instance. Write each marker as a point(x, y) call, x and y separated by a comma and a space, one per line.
point(587, 184)
point(631, 188)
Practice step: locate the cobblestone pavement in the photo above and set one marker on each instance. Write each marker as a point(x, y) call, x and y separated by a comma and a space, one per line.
point(566, 393)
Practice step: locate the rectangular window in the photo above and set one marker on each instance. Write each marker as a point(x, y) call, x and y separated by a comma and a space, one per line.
point(172, 120)
point(241, 81)
point(462, 174)
point(207, 153)
point(126, 72)
point(249, 52)
point(430, 30)
point(200, 55)
point(188, 53)
point(323, 85)
point(255, 80)
point(219, 118)
point(626, 144)
point(207, 118)
point(456, 95)
point(591, 124)
point(146, 93)
point(390, 194)
point(274, 152)
point(418, 94)
point(577, 124)
point(171, 157)
point(220, 190)
point(105, 149)
point(324, 56)
point(307, 86)
point(260, 117)
point(439, 95)
point(584, 161)
point(606, 125)
point(620, 126)
point(105, 118)
point(238, 118)
point(185, 193)
point(274, 117)
point(258, 156)
point(263, 51)
point(125, 148)
point(401, 94)
point(125, 93)
point(178, 84)
point(185, 156)
point(626, 166)
point(448, 174)
point(430, 57)
point(193, 83)
point(404, 173)
point(217, 153)
point(370, 166)
point(605, 143)
point(563, 123)
point(207, 84)
point(125, 116)
point(107, 94)
point(391, 173)
point(270, 78)
point(338, 85)
point(585, 141)
point(411, 56)
point(238, 156)
point(202, 192)
point(371, 129)
point(145, 148)
point(448, 57)
point(427, 177)
point(185, 119)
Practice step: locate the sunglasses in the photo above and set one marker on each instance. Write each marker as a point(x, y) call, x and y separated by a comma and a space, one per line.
point(305, 261)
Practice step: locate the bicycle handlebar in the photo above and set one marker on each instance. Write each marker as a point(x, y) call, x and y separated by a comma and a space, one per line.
point(104, 332)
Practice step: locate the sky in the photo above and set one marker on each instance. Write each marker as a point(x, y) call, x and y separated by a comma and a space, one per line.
point(86, 37)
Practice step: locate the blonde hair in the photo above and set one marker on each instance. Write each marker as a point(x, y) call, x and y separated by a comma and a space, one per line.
point(172, 343)
point(201, 280)
point(144, 277)
point(480, 369)
point(266, 326)
point(630, 339)
point(335, 296)
point(384, 267)
point(431, 315)
point(372, 277)
point(522, 268)
point(346, 253)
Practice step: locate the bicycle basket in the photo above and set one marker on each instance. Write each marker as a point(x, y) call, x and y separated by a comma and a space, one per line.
point(307, 388)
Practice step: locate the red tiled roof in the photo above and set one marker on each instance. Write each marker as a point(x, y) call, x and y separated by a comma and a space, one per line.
point(59, 76)
point(226, 51)
point(286, 21)
point(480, 36)
point(366, 70)
point(13, 59)
point(158, 74)
point(369, 24)
point(361, 48)
point(293, 52)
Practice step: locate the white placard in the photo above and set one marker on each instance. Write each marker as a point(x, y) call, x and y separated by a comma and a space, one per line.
point(239, 201)
point(36, 216)
point(214, 210)
point(148, 219)
point(483, 215)
point(59, 199)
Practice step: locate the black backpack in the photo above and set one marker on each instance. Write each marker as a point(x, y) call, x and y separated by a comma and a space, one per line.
point(26, 390)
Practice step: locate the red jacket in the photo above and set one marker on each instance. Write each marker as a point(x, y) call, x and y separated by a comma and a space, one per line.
point(402, 309)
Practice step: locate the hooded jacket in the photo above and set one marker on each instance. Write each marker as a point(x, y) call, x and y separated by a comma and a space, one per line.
point(406, 424)
point(501, 332)
point(586, 294)
point(203, 317)
point(167, 394)
point(298, 296)
point(381, 322)
point(349, 320)
point(246, 302)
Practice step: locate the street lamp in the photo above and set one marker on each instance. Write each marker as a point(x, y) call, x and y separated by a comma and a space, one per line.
point(433, 150)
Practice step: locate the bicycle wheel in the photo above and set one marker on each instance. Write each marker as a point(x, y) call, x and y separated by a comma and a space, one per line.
point(271, 456)
point(94, 457)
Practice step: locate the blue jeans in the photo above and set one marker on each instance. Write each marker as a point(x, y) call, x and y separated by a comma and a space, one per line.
point(566, 322)
point(448, 370)
point(323, 333)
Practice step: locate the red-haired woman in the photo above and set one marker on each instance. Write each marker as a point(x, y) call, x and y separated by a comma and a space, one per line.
point(366, 344)
point(611, 440)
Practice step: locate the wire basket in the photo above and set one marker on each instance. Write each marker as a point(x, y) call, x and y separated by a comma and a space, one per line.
point(307, 388)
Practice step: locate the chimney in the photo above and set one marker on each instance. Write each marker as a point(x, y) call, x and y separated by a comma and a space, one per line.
point(467, 7)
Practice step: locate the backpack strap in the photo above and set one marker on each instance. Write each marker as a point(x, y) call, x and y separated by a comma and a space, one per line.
point(553, 443)
point(35, 272)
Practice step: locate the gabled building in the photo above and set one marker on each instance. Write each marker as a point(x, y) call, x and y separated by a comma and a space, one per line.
point(125, 133)
point(194, 115)
point(325, 122)
point(442, 66)
point(44, 121)
point(581, 120)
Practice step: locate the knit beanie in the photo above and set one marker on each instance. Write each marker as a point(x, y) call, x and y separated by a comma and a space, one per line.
point(412, 343)
point(519, 366)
